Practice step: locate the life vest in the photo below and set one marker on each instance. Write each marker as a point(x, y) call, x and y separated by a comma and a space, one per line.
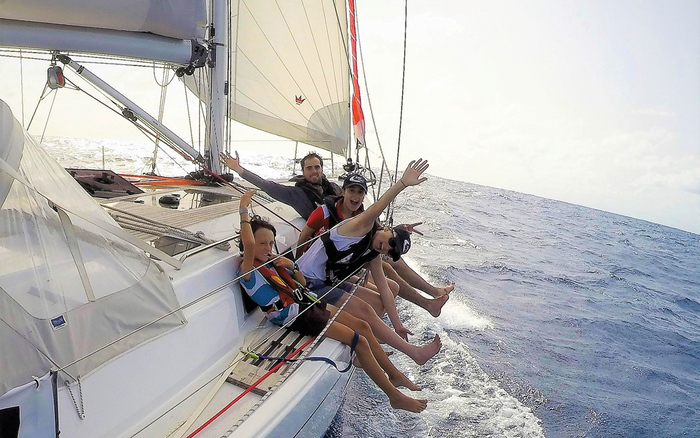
point(312, 190)
point(281, 281)
point(341, 264)
point(330, 207)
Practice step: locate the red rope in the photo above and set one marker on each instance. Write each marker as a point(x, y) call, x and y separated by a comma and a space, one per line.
point(248, 390)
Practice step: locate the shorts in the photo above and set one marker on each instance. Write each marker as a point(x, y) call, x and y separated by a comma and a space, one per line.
point(312, 321)
point(319, 287)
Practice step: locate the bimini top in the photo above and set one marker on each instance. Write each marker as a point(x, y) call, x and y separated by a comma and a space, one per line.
point(70, 284)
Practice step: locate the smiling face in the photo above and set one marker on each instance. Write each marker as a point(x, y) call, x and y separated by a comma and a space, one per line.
point(353, 197)
point(380, 243)
point(264, 244)
point(313, 170)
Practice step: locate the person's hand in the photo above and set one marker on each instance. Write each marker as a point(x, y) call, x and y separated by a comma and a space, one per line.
point(411, 227)
point(412, 174)
point(234, 163)
point(403, 332)
point(282, 262)
point(245, 199)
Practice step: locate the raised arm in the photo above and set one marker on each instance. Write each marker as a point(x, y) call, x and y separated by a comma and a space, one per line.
point(287, 194)
point(313, 224)
point(364, 222)
point(247, 237)
point(278, 191)
point(305, 235)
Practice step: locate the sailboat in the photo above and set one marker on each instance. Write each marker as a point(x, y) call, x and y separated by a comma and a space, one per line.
point(120, 317)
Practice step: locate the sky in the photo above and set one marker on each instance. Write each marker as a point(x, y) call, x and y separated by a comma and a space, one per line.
point(595, 103)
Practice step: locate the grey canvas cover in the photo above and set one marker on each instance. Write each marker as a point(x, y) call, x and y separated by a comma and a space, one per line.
point(71, 293)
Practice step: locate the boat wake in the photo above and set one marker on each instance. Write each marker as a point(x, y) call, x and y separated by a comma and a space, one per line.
point(463, 400)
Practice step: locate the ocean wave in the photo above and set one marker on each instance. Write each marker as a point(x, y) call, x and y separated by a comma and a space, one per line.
point(689, 305)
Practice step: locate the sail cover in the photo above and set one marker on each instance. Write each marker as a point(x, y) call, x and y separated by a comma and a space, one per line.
point(67, 287)
point(181, 19)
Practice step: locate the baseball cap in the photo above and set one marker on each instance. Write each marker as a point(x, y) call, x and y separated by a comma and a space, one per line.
point(355, 179)
point(400, 243)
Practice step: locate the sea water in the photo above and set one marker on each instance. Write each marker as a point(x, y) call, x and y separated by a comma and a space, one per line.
point(565, 321)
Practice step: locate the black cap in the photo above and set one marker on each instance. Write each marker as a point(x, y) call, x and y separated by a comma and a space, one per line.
point(400, 243)
point(355, 179)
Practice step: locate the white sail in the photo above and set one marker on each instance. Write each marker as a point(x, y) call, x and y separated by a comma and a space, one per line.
point(289, 71)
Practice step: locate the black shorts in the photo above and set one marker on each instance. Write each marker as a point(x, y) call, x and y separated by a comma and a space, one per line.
point(312, 321)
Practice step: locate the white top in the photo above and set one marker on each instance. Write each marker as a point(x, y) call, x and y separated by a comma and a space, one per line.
point(313, 262)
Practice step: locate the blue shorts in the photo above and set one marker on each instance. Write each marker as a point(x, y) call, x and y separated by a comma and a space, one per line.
point(319, 287)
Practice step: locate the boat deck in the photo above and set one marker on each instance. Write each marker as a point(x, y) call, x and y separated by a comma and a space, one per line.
point(249, 371)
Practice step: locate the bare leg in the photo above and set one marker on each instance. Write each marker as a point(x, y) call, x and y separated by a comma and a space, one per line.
point(393, 285)
point(364, 350)
point(418, 282)
point(360, 309)
point(372, 298)
point(408, 293)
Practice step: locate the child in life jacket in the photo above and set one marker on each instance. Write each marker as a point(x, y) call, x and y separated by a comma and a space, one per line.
point(257, 240)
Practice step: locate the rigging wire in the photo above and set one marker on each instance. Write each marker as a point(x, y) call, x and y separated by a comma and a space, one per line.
point(161, 109)
point(48, 117)
point(369, 102)
point(37, 105)
point(390, 213)
point(21, 82)
point(189, 115)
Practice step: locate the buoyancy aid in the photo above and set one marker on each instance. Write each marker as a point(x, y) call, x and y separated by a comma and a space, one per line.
point(315, 192)
point(330, 205)
point(281, 281)
point(341, 264)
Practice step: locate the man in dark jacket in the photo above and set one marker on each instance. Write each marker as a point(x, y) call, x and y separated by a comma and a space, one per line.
point(307, 193)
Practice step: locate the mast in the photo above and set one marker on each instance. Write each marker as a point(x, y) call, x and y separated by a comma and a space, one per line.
point(217, 101)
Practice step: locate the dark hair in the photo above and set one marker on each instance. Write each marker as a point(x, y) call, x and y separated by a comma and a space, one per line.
point(311, 155)
point(256, 223)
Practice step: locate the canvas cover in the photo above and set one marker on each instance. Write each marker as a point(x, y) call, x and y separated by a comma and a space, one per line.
point(182, 19)
point(67, 287)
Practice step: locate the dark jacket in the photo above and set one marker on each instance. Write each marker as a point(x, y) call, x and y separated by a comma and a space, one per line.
point(304, 197)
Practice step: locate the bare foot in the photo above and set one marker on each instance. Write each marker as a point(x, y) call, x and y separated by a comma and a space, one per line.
point(434, 306)
point(441, 291)
point(400, 380)
point(407, 403)
point(423, 354)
